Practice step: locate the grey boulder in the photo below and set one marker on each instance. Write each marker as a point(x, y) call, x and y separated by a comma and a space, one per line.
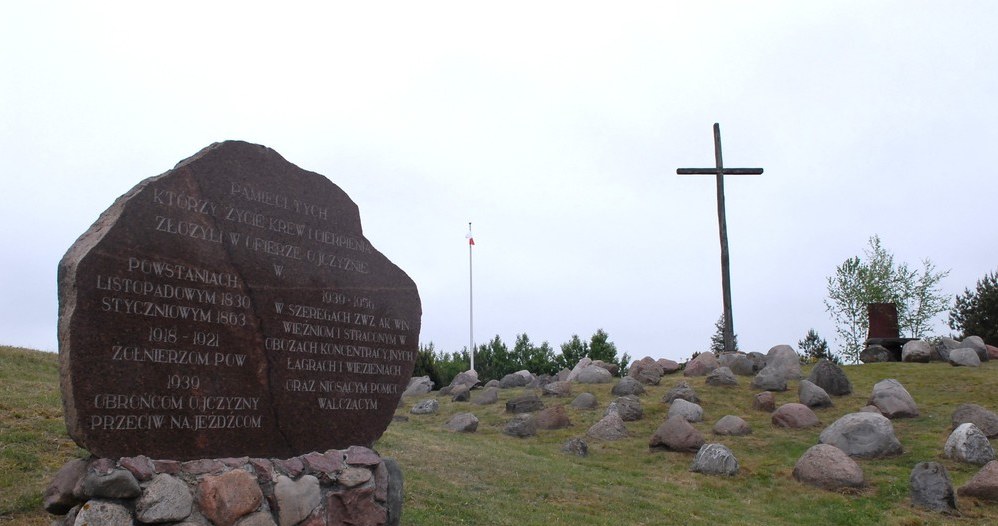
point(968, 444)
point(676, 434)
point(828, 467)
point(628, 386)
point(462, 423)
point(721, 377)
point(425, 407)
point(931, 488)
point(965, 357)
point(732, 425)
point(893, 400)
point(863, 435)
point(610, 427)
point(918, 351)
point(687, 410)
point(831, 378)
point(985, 420)
point(628, 407)
point(812, 396)
point(715, 459)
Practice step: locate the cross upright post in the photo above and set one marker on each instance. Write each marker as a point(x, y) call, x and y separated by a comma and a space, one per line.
point(720, 171)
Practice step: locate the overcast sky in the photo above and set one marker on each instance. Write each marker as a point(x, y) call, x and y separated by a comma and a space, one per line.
point(555, 128)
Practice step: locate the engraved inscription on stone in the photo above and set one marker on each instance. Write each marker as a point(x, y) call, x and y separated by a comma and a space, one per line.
point(230, 307)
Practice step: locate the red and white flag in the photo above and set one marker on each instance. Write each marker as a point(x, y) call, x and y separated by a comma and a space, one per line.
point(471, 239)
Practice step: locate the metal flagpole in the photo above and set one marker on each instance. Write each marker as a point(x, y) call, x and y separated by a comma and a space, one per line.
point(471, 301)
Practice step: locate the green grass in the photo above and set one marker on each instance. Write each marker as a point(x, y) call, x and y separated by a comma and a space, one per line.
point(490, 478)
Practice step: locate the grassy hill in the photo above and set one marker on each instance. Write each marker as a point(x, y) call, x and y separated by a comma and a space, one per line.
point(489, 478)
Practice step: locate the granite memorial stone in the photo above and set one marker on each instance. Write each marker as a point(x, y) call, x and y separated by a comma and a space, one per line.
point(230, 307)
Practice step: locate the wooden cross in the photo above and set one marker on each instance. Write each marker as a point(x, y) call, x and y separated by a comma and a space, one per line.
point(720, 171)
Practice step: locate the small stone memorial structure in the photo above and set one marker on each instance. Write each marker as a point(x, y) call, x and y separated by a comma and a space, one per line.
point(232, 307)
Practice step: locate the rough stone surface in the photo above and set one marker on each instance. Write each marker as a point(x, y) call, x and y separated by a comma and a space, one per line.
point(418, 386)
point(355, 507)
point(764, 401)
point(758, 361)
point(593, 374)
point(863, 435)
point(226, 498)
point(425, 407)
point(682, 390)
point(688, 410)
point(103, 512)
point(977, 344)
point(668, 366)
point(646, 370)
point(917, 351)
point(992, 352)
point(770, 379)
point(813, 396)
point(968, 444)
point(715, 459)
point(876, 354)
point(164, 499)
point(513, 380)
point(732, 425)
point(676, 434)
point(931, 488)
point(893, 399)
point(487, 397)
point(585, 401)
point(353, 477)
point(965, 357)
point(737, 362)
point(721, 377)
point(113, 484)
point(521, 426)
point(296, 498)
point(628, 386)
point(628, 407)
point(831, 378)
point(983, 485)
point(795, 416)
point(557, 388)
point(985, 420)
point(574, 373)
point(701, 365)
point(460, 393)
point(828, 467)
point(943, 347)
point(785, 360)
point(554, 417)
point(466, 378)
point(611, 368)
point(462, 423)
point(58, 498)
point(181, 293)
point(610, 427)
point(527, 403)
point(576, 446)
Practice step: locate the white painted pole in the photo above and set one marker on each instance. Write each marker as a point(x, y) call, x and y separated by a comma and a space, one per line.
point(471, 301)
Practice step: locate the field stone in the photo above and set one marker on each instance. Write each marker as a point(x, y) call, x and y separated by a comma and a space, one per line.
point(99, 511)
point(628, 386)
point(521, 426)
point(737, 362)
point(462, 423)
point(794, 416)
point(575, 446)
point(582, 364)
point(968, 444)
point(931, 488)
point(785, 360)
point(557, 388)
point(812, 396)
point(425, 407)
point(116, 484)
point(552, 418)
point(715, 459)
point(487, 397)
point(512, 380)
point(965, 357)
point(296, 498)
point(732, 425)
point(916, 351)
point(770, 379)
point(594, 374)
point(983, 485)
point(676, 434)
point(764, 401)
point(418, 386)
point(876, 354)
point(460, 393)
point(628, 407)
point(527, 403)
point(683, 391)
point(703, 364)
point(164, 499)
point(985, 420)
point(646, 370)
point(831, 378)
point(610, 427)
point(58, 498)
point(260, 518)
point(585, 401)
point(225, 498)
point(758, 361)
point(721, 377)
point(828, 467)
point(863, 435)
point(977, 344)
point(669, 366)
point(688, 410)
point(893, 399)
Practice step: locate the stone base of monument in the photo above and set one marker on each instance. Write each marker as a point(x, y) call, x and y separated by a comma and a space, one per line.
point(355, 486)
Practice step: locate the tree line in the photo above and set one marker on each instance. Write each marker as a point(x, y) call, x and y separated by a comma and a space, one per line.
point(494, 360)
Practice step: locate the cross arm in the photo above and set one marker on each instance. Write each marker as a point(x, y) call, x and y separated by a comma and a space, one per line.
point(714, 171)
